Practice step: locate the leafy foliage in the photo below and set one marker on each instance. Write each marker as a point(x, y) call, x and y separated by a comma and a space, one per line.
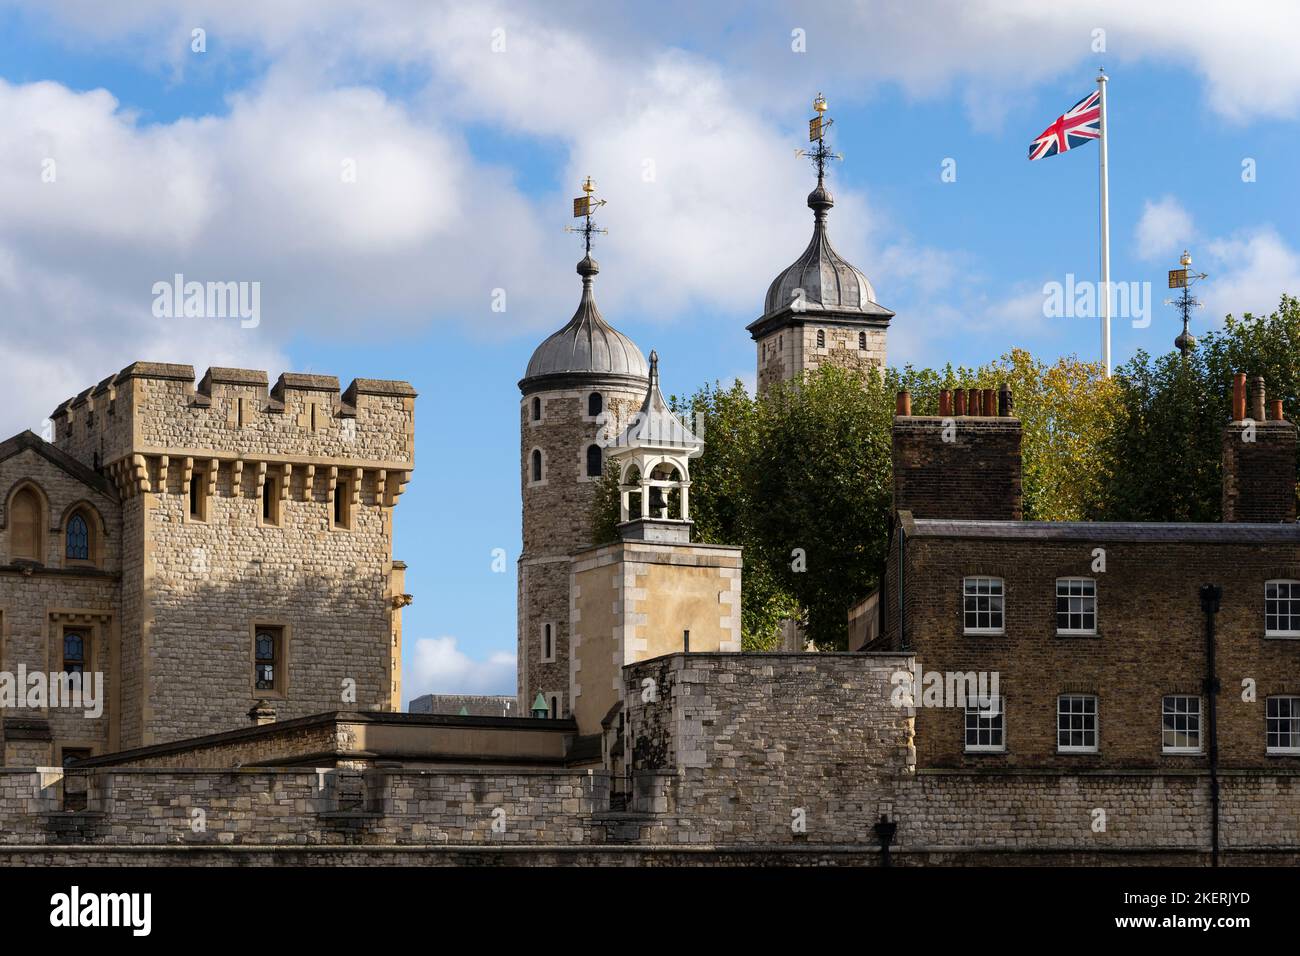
point(807, 465)
point(1164, 456)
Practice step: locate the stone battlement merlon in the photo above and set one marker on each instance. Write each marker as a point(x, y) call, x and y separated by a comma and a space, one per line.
point(152, 408)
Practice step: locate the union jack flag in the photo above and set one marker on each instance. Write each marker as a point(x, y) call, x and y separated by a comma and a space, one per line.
point(1079, 124)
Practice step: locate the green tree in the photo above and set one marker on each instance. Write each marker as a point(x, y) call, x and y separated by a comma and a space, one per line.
point(821, 481)
point(1164, 459)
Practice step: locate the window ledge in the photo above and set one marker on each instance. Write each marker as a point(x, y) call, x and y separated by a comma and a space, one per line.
point(983, 633)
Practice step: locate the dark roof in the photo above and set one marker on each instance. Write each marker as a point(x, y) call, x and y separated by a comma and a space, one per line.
point(829, 286)
point(29, 440)
point(1154, 531)
point(587, 345)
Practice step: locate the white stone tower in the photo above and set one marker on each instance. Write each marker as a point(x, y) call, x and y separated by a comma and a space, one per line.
point(581, 387)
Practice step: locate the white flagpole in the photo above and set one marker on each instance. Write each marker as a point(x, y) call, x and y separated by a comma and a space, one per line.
point(1105, 232)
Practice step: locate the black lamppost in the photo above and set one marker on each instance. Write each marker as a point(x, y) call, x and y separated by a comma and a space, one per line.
point(885, 831)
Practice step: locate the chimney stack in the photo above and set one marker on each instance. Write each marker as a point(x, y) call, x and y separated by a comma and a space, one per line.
point(967, 469)
point(1259, 459)
point(1257, 398)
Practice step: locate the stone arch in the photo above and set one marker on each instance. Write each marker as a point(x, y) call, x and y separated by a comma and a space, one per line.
point(27, 508)
point(97, 531)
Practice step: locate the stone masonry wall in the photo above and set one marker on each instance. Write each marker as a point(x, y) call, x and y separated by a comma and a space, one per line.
point(36, 605)
point(787, 352)
point(194, 588)
point(751, 742)
point(299, 807)
point(557, 520)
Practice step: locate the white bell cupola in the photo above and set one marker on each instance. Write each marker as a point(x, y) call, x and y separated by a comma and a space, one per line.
point(653, 458)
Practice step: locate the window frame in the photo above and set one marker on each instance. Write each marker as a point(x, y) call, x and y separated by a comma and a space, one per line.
point(341, 507)
point(1096, 724)
point(1293, 733)
point(87, 647)
point(1293, 595)
point(536, 455)
point(271, 516)
point(1001, 717)
point(279, 660)
point(542, 634)
point(88, 535)
point(536, 409)
point(977, 631)
point(821, 338)
point(1165, 712)
point(198, 495)
point(1076, 632)
point(595, 397)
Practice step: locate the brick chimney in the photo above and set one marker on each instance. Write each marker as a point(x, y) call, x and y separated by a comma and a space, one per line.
point(1259, 458)
point(962, 463)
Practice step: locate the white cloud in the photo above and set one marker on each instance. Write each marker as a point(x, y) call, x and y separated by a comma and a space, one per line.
point(1249, 271)
point(428, 230)
point(1164, 229)
point(438, 666)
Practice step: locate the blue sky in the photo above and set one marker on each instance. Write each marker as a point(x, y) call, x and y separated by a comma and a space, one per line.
point(223, 164)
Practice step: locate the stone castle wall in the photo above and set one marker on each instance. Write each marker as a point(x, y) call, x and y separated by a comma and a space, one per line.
point(765, 758)
point(557, 520)
point(37, 604)
point(194, 587)
point(785, 353)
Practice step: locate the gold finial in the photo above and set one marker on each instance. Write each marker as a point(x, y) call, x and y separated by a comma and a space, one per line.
point(819, 104)
point(583, 207)
point(1186, 260)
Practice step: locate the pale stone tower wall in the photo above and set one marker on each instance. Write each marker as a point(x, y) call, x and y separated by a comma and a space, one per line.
point(557, 520)
point(584, 357)
point(791, 350)
point(194, 588)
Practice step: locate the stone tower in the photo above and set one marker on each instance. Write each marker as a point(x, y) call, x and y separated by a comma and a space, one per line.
point(821, 309)
point(581, 387)
point(255, 544)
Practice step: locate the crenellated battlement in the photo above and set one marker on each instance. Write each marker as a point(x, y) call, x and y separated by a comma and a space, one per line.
point(152, 410)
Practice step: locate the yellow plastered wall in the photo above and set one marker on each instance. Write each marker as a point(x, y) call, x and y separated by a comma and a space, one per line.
point(631, 601)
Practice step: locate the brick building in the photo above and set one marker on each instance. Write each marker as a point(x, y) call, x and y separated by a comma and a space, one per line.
point(1098, 633)
point(206, 549)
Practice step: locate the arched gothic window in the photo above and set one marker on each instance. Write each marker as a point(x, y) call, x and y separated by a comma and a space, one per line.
point(595, 404)
point(821, 338)
point(537, 464)
point(537, 409)
point(594, 463)
point(25, 523)
point(862, 341)
point(78, 538)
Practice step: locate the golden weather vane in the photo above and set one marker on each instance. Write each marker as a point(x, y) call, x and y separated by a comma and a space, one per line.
point(821, 153)
point(1183, 278)
point(583, 207)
